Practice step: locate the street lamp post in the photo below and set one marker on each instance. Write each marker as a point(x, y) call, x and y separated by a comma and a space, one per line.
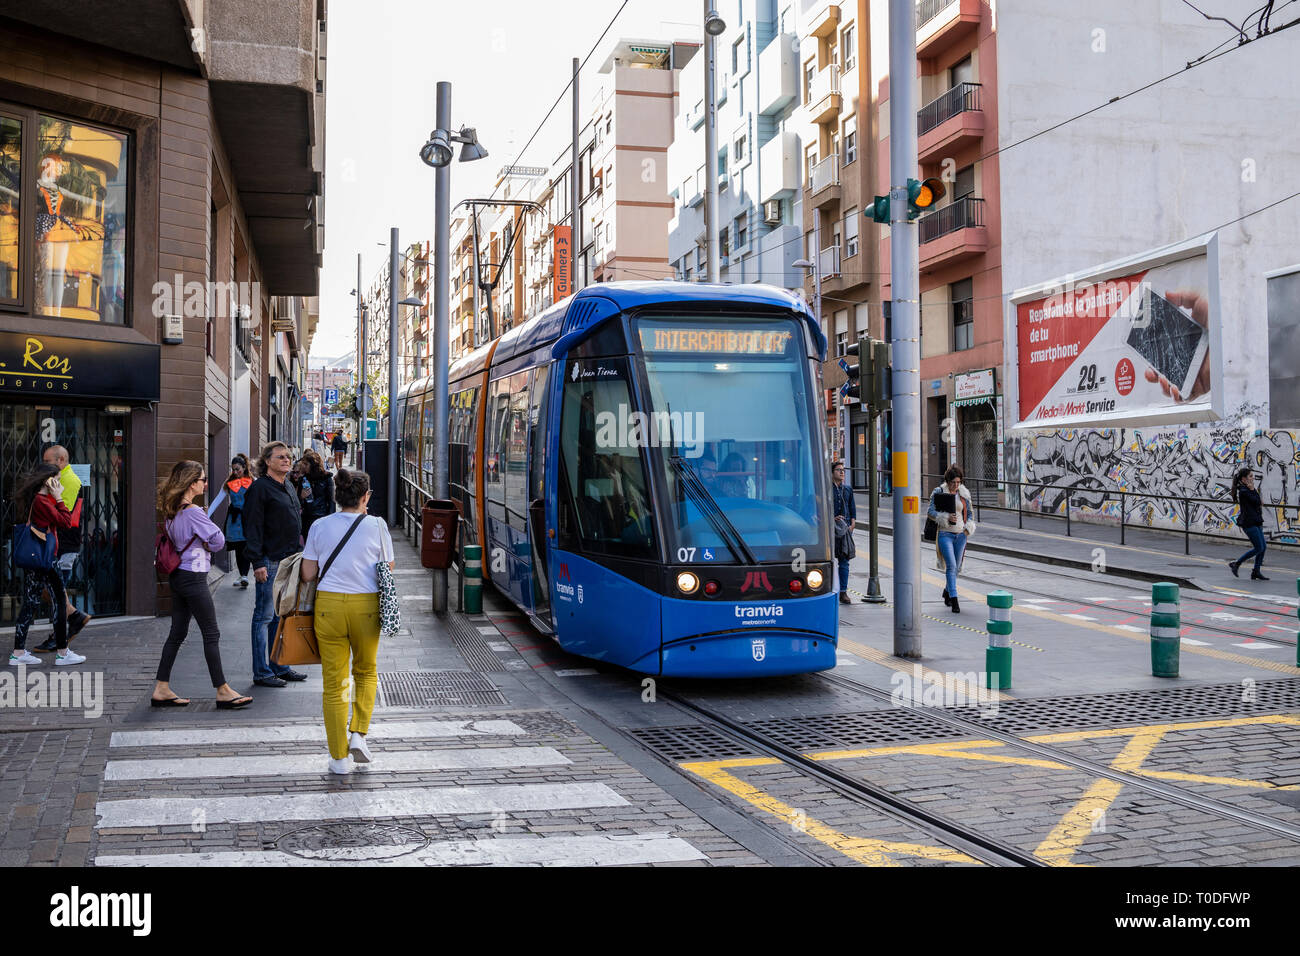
point(714, 26)
point(437, 153)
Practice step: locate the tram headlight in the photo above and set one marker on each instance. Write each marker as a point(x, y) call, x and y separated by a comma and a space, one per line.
point(687, 582)
point(815, 580)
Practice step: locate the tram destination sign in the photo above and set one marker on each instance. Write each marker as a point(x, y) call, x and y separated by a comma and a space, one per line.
point(731, 341)
point(58, 367)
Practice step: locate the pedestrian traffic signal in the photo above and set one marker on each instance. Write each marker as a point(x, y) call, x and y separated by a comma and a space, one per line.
point(921, 196)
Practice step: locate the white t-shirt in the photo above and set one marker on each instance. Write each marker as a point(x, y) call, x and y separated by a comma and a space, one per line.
point(353, 571)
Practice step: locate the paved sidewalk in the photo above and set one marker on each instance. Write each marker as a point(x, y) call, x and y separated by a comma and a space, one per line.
point(478, 761)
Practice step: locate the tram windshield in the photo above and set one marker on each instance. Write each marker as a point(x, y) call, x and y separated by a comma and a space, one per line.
point(732, 401)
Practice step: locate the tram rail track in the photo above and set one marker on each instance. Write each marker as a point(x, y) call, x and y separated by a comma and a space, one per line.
point(1178, 795)
point(942, 828)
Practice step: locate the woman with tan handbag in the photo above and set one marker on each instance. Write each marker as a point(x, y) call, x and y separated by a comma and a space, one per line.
point(347, 613)
point(188, 522)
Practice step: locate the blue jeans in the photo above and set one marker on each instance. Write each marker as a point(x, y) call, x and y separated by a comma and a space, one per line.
point(952, 547)
point(265, 622)
point(844, 573)
point(1256, 536)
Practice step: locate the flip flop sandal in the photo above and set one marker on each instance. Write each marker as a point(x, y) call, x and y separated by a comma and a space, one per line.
point(168, 702)
point(234, 703)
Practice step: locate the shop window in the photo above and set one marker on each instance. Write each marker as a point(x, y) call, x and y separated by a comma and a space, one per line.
point(63, 214)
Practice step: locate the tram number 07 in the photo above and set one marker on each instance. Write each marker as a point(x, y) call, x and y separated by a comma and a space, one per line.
point(685, 554)
point(1088, 378)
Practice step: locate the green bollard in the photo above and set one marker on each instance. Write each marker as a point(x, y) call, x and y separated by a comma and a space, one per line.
point(473, 572)
point(997, 656)
point(1166, 625)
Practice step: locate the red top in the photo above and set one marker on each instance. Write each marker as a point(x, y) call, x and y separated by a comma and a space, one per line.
point(49, 513)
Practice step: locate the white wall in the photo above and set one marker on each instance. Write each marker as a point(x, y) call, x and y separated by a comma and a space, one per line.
point(1180, 159)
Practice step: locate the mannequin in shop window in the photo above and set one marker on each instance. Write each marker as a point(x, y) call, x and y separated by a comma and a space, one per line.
point(54, 233)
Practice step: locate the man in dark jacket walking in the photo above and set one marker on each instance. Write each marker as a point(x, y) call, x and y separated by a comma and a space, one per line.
point(846, 513)
point(272, 530)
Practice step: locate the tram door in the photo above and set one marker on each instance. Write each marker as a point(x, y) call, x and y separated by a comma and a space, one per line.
point(537, 417)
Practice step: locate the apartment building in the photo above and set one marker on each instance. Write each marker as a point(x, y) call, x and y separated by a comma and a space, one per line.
point(760, 199)
point(839, 179)
point(155, 316)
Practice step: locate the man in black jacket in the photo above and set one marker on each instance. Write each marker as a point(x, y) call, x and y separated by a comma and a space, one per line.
point(272, 528)
point(846, 514)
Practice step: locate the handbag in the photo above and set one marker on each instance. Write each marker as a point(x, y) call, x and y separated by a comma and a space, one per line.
point(33, 549)
point(390, 609)
point(931, 530)
point(295, 638)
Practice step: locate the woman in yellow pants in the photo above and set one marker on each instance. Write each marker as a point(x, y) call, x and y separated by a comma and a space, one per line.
point(347, 613)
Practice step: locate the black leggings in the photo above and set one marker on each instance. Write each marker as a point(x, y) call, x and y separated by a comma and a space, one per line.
point(241, 560)
point(34, 582)
point(191, 598)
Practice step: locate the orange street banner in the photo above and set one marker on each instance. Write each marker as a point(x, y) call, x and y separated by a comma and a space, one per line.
point(562, 257)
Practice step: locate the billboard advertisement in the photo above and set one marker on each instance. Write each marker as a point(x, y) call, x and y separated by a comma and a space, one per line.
point(1137, 341)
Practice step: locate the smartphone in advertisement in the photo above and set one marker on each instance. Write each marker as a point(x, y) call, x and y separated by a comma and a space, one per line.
point(1169, 339)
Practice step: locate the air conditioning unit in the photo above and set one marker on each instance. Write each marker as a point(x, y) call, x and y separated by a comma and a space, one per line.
point(772, 212)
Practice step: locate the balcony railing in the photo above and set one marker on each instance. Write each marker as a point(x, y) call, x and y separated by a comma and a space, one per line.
point(825, 83)
point(927, 10)
point(962, 98)
point(829, 261)
point(962, 213)
point(824, 174)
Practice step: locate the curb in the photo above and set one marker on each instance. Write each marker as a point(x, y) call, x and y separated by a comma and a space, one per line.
point(1111, 569)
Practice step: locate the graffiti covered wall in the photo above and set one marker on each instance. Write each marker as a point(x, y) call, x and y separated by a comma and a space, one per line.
point(1095, 465)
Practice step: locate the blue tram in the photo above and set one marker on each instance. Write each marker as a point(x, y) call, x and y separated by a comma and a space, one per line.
point(644, 464)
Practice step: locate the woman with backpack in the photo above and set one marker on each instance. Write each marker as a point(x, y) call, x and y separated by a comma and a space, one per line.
point(1250, 520)
point(344, 549)
point(237, 483)
point(315, 490)
point(39, 497)
point(194, 537)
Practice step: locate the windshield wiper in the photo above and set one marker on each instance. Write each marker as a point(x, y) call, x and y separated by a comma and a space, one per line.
point(708, 505)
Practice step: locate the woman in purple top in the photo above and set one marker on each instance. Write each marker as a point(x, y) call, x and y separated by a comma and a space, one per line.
point(194, 537)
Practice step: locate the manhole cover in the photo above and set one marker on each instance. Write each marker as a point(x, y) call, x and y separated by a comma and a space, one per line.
point(690, 743)
point(352, 841)
point(416, 689)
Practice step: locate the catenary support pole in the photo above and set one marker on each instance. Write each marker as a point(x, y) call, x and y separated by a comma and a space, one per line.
point(441, 311)
point(906, 342)
point(711, 211)
point(393, 339)
point(359, 447)
point(873, 515)
point(575, 184)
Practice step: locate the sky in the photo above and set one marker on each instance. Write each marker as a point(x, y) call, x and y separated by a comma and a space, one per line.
point(507, 61)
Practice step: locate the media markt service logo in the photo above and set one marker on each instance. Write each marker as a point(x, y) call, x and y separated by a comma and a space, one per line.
point(759, 649)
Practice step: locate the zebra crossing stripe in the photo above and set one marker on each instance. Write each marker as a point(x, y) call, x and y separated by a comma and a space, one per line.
point(415, 729)
point(290, 765)
point(604, 850)
point(357, 804)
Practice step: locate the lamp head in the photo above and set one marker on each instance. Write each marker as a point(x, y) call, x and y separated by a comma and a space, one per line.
point(437, 151)
point(470, 149)
point(714, 25)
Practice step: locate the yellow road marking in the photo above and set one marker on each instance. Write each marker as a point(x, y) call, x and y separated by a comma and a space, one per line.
point(969, 594)
point(867, 852)
point(1067, 736)
point(960, 748)
point(955, 685)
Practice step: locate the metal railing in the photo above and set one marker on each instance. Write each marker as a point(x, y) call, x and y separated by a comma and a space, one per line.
point(927, 10)
point(824, 174)
point(962, 213)
point(1072, 502)
point(962, 98)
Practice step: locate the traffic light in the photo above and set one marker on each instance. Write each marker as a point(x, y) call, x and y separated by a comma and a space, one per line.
point(877, 381)
point(851, 390)
point(921, 197)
